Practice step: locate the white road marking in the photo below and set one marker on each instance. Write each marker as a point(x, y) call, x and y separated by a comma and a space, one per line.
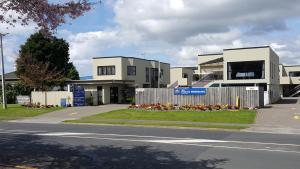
point(62, 134)
point(187, 144)
point(188, 141)
point(156, 139)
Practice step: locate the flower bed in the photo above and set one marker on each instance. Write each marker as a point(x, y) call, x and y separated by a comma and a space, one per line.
point(168, 107)
point(39, 106)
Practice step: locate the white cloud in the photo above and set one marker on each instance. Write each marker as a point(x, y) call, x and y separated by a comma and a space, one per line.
point(161, 19)
point(179, 30)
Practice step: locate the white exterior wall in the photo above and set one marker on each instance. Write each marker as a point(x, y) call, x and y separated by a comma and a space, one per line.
point(51, 97)
point(117, 62)
point(243, 55)
point(177, 75)
point(121, 64)
point(206, 58)
point(266, 54)
point(284, 74)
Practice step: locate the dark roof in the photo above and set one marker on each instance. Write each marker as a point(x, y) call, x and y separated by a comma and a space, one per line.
point(189, 67)
point(248, 48)
point(290, 65)
point(104, 57)
point(213, 61)
point(100, 81)
point(10, 75)
point(211, 54)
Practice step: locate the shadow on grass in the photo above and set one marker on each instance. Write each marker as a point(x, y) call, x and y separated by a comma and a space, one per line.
point(31, 151)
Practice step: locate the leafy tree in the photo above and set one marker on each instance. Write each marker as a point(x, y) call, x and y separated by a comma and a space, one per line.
point(44, 61)
point(47, 15)
point(12, 91)
point(36, 74)
point(72, 72)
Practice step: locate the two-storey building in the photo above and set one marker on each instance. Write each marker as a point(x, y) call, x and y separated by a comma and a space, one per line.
point(254, 66)
point(115, 78)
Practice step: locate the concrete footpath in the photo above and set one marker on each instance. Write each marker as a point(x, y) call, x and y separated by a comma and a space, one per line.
point(71, 113)
point(282, 117)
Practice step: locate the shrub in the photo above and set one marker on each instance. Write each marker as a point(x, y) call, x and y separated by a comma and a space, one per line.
point(89, 101)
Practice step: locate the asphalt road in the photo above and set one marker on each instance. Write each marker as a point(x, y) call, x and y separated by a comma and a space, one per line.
point(120, 147)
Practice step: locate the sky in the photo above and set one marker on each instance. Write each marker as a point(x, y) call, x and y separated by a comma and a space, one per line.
point(173, 31)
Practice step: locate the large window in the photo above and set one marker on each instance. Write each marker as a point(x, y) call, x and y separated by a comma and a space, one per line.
point(246, 70)
point(131, 70)
point(294, 74)
point(147, 74)
point(106, 70)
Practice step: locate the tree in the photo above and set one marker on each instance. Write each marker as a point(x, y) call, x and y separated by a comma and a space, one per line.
point(72, 72)
point(48, 16)
point(36, 74)
point(12, 91)
point(46, 58)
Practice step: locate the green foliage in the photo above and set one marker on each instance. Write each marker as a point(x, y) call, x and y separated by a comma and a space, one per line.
point(51, 52)
point(12, 91)
point(72, 72)
point(89, 101)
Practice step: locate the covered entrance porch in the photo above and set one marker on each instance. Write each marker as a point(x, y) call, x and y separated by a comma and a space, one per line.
point(99, 92)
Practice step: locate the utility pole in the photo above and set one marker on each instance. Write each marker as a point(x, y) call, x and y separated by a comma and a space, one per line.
point(3, 78)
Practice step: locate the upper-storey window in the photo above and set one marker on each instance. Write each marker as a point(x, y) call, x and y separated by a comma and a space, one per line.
point(185, 75)
point(147, 74)
point(246, 70)
point(294, 74)
point(161, 73)
point(131, 70)
point(106, 70)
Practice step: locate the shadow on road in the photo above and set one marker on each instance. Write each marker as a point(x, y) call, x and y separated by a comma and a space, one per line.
point(32, 151)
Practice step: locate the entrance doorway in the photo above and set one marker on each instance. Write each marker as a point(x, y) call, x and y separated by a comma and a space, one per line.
point(99, 95)
point(114, 95)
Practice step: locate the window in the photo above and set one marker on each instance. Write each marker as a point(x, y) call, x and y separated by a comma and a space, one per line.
point(161, 73)
point(106, 70)
point(131, 70)
point(246, 70)
point(185, 75)
point(147, 74)
point(294, 74)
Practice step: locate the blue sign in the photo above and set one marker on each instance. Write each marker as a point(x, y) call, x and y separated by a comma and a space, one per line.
point(63, 102)
point(190, 91)
point(79, 96)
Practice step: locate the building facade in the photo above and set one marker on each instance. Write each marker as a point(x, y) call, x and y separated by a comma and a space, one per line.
point(255, 66)
point(115, 78)
point(182, 76)
point(290, 80)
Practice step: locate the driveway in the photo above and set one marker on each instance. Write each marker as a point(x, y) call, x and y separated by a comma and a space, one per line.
point(71, 113)
point(282, 117)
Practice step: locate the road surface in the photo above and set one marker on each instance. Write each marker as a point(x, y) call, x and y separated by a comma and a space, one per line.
point(121, 147)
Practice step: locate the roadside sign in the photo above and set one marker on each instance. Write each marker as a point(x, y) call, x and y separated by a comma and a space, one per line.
point(190, 91)
point(252, 88)
point(79, 96)
point(23, 100)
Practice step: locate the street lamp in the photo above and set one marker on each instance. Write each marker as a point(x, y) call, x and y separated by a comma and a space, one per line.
point(3, 79)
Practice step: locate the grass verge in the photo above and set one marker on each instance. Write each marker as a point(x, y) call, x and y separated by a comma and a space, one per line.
point(15, 111)
point(173, 118)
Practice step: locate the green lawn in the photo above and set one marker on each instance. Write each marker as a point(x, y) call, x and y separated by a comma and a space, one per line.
point(15, 111)
point(227, 116)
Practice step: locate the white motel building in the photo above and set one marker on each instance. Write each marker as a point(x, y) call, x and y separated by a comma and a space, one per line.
point(115, 78)
point(253, 66)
